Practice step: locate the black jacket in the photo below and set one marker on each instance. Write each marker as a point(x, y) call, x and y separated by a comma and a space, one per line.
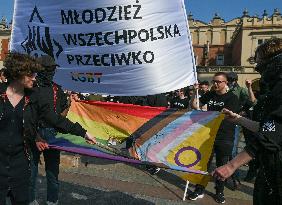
point(18, 131)
point(39, 108)
point(269, 137)
point(56, 99)
point(266, 146)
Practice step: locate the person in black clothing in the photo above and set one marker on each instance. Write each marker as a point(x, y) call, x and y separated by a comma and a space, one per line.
point(158, 100)
point(59, 103)
point(266, 144)
point(216, 100)
point(248, 112)
point(20, 109)
point(203, 87)
point(180, 101)
point(135, 100)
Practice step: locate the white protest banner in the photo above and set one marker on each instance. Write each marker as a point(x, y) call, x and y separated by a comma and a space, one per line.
point(124, 47)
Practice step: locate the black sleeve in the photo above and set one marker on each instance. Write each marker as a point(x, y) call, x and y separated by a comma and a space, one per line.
point(271, 135)
point(253, 147)
point(172, 101)
point(268, 138)
point(232, 103)
point(63, 99)
point(62, 124)
point(206, 98)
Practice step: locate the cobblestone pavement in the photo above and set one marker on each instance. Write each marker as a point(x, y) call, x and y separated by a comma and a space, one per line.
point(104, 182)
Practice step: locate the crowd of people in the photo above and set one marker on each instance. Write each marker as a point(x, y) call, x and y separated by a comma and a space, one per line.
point(33, 109)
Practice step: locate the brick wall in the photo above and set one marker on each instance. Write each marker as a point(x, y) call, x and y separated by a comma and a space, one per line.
point(237, 50)
point(214, 50)
point(4, 48)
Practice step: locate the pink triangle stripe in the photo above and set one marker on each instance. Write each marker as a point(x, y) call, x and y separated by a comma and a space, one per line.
point(167, 139)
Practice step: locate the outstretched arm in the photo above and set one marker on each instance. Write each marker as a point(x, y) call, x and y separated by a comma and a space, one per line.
point(62, 124)
point(225, 171)
point(238, 119)
point(252, 97)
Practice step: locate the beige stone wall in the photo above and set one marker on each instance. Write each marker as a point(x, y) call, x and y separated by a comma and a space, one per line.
point(217, 32)
point(241, 35)
point(246, 31)
point(215, 35)
point(255, 30)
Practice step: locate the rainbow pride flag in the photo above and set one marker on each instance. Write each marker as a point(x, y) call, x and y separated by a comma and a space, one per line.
point(179, 140)
point(111, 120)
point(183, 139)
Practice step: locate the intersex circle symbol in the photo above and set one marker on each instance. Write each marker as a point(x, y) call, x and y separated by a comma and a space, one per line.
point(193, 149)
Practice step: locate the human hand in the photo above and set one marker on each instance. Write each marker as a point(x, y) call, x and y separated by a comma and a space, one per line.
point(231, 116)
point(248, 83)
point(243, 113)
point(41, 144)
point(89, 138)
point(223, 172)
point(196, 86)
point(74, 97)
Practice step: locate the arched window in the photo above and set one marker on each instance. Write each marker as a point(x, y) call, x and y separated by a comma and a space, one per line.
point(223, 36)
point(195, 37)
point(220, 59)
point(209, 36)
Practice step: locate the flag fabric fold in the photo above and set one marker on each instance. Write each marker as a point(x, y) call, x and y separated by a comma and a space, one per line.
point(179, 140)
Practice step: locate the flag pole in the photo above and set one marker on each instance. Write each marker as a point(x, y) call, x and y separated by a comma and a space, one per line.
point(197, 97)
point(192, 51)
point(185, 192)
point(195, 74)
point(190, 42)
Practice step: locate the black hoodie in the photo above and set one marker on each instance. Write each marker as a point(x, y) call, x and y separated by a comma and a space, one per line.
point(53, 93)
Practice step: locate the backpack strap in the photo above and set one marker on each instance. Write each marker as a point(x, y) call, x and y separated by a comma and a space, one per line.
point(55, 91)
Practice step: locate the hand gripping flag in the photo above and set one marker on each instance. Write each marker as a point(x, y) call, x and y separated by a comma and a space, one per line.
point(168, 138)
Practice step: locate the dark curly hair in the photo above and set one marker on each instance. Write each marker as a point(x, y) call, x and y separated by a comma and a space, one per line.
point(17, 65)
point(267, 55)
point(269, 49)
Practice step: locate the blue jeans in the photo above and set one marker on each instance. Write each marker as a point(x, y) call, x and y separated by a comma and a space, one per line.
point(235, 148)
point(236, 141)
point(52, 162)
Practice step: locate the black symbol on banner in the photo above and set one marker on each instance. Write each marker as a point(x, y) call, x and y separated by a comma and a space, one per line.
point(39, 39)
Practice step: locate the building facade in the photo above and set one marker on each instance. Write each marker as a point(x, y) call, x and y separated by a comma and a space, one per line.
point(230, 46)
point(5, 33)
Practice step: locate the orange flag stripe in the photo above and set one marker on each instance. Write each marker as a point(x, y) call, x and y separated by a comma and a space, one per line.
point(129, 109)
point(112, 118)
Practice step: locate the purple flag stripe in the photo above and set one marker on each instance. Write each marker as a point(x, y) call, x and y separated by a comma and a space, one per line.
point(99, 154)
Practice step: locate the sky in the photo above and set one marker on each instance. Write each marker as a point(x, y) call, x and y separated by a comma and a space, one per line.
point(228, 9)
point(201, 9)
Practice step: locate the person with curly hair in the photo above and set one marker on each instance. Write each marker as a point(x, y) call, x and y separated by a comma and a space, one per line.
point(266, 144)
point(21, 107)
